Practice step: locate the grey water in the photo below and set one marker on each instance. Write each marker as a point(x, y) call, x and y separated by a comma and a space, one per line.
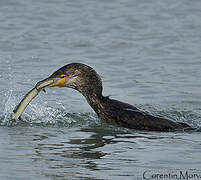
point(148, 54)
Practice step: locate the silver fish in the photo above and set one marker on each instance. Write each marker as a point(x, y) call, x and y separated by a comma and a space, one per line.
point(19, 109)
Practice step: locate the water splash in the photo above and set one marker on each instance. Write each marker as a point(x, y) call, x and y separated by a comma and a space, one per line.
point(39, 113)
point(8, 108)
point(10, 100)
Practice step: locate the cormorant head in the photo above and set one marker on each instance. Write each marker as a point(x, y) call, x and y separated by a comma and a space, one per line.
point(77, 76)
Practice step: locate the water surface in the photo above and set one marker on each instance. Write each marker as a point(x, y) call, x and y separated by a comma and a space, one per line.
point(147, 53)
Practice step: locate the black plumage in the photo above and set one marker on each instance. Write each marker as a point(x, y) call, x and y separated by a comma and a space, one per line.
point(84, 79)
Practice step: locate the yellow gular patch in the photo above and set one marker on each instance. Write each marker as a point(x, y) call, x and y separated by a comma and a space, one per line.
point(62, 81)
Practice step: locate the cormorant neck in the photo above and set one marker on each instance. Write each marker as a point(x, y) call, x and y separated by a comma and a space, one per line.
point(96, 101)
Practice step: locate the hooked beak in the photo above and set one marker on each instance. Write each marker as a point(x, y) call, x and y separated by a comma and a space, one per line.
point(52, 82)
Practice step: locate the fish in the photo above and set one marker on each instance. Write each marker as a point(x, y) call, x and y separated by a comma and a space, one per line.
point(20, 108)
